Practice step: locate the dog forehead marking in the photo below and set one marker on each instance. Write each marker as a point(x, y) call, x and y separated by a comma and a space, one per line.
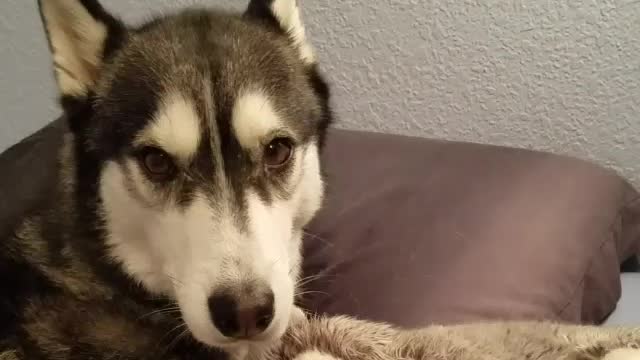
point(176, 126)
point(253, 118)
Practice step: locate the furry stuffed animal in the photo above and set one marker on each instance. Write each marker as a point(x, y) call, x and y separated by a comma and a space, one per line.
point(345, 338)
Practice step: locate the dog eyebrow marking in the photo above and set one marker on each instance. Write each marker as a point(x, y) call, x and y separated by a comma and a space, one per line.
point(175, 128)
point(253, 118)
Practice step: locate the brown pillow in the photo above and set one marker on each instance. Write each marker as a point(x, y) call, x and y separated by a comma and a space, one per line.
point(419, 231)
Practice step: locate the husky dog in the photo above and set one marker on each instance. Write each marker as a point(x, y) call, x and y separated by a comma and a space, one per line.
point(189, 169)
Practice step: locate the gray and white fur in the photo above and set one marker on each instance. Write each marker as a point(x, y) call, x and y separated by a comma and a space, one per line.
point(346, 338)
point(190, 168)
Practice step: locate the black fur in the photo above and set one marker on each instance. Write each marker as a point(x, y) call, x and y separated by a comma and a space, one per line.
point(115, 28)
point(322, 90)
point(259, 10)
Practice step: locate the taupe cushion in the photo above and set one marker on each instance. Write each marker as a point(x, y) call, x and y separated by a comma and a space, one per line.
point(419, 231)
point(27, 172)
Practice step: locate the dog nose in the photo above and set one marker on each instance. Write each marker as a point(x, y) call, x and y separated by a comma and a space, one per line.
point(241, 317)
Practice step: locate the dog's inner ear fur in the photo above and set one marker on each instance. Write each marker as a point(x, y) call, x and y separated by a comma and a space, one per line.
point(77, 41)
point(286, 13)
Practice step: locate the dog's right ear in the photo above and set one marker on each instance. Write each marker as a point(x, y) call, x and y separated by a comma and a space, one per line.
point(285, 14)
point(81, 35)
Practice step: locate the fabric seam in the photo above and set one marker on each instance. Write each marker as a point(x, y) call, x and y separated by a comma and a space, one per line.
point(610, 231)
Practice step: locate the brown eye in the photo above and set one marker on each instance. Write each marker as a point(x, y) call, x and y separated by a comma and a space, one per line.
point(278, 152)
point(157, 163)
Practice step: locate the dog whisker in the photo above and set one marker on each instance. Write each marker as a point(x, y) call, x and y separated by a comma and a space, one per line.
point(168, 310)
point(309, 279)
point(174, 280)
point(182, 326)
point(312, 292)
point(318, 237)
point(178, 338)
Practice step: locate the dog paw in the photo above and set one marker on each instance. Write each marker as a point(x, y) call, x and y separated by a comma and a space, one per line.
point(315, 355)
point(623, 354)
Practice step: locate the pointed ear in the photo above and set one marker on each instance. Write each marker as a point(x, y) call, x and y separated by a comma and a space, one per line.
point(80, 34)
point(286, 15)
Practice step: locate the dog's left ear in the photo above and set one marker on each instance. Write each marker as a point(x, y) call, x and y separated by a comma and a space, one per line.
point(81, 35)
point(286, 15)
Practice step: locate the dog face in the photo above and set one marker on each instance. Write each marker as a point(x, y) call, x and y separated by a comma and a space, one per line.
point(200, 132)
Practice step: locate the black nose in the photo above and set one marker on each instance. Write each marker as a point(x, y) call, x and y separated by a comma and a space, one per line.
point(241, 317)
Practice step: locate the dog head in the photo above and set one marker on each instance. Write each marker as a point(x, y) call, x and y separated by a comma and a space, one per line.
point(198, 133)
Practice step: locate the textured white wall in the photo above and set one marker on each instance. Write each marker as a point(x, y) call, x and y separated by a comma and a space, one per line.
point(558, 75)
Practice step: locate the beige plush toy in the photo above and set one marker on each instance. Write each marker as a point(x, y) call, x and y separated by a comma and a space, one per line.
point(344, 338)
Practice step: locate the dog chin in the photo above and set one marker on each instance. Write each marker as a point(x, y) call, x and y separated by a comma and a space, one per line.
point(240, 349)
point(213, 338)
